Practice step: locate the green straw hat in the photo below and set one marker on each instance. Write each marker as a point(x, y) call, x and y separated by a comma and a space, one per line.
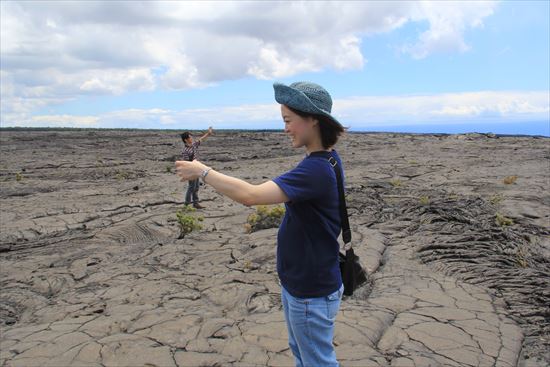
point(306, 97)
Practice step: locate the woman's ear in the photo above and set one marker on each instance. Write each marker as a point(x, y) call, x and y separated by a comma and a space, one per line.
point(314, 120)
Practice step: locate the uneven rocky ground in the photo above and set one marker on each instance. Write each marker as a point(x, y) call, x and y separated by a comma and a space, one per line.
point(92, 272)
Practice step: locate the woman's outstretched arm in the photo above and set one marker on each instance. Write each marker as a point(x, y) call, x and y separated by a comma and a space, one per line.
point(236, 189)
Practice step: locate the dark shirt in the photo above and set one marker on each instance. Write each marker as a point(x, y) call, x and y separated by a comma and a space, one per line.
point(307, 241)
point(190, 151)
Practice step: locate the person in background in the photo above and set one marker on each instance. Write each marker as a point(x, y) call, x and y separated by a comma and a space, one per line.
point(190, 153)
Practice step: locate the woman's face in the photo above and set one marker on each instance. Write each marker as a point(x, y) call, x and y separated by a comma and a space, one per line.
point(301, 130)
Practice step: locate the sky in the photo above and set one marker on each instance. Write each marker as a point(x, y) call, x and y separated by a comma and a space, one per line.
point(415, 66)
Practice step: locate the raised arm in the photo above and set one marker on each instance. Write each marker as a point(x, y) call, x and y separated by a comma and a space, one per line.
point(236, 189)
point(207, 134)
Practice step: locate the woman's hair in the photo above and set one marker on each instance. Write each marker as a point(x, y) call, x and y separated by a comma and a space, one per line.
point(330, 130)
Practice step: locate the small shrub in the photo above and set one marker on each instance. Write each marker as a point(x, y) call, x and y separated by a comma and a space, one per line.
point(188, 222)
point(169, 169)
point(495, 199)
point(520, 257)
point(122, 175)
point(264, 218)
point(452, 196)
point(396, 182)
point(18, 177)
point(424, 200)
point(502, 221)
point(510, 180)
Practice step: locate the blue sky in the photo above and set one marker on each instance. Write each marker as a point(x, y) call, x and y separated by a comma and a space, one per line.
point(391, 66)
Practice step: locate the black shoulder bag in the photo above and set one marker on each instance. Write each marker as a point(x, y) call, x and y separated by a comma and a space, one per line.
point(353, 274)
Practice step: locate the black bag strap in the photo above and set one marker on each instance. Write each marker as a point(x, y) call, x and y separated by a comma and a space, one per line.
point(346, 231)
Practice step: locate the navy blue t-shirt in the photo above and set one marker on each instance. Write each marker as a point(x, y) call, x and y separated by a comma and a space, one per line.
point(307, 242)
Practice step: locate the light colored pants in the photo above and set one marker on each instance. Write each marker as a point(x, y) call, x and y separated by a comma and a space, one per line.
point(310, 324)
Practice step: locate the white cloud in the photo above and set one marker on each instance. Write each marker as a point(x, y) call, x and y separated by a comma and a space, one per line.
point(56, 51)
point(448, 21)
point(63, 121)
point(445, 108)
point(356, 112)
point(115, 82)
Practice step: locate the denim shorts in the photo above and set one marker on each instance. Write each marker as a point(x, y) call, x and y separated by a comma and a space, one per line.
point(310, 324)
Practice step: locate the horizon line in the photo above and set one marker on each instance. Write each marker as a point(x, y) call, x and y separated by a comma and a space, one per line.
point(60, 128)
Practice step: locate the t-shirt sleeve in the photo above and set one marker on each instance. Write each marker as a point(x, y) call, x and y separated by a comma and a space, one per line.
point(307, 181)
point(196, 143)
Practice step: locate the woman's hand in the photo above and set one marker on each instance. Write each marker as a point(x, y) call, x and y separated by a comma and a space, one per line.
point(236, 189)
point(189, 170)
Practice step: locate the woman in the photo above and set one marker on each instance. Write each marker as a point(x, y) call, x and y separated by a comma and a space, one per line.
point(307, 246)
